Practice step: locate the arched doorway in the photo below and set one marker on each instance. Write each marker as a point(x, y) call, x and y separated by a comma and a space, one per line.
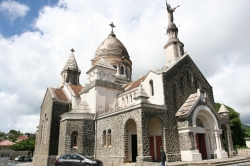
point(130, 140)
point(155, 138)
point(207, 134)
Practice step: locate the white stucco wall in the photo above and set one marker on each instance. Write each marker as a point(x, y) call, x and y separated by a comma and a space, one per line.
point(158, 97)
point(90, 98)
point(101, 73)
point(248, 142)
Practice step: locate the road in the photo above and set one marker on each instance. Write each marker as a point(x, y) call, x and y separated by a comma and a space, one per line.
point(14, 163)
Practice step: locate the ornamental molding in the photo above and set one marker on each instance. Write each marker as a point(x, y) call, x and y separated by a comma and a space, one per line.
point(102, 83)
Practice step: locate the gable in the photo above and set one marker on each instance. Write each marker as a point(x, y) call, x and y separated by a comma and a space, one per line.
point(181, 80)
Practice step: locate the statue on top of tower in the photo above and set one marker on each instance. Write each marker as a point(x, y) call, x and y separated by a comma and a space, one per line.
point(170, 13)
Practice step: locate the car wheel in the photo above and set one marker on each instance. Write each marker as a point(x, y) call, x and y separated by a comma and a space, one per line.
point(86, 165)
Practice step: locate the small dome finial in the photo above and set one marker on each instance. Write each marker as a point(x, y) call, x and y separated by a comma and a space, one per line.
point(112, 32)
point(72, 50)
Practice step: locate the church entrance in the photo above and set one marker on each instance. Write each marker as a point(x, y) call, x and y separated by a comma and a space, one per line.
point(201, 145)
point(155, 138)
point(155, 145)
point(134, 147)
point(130, 139)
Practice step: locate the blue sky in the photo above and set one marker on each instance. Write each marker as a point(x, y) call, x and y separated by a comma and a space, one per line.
point(36, 38)
point(20, 24)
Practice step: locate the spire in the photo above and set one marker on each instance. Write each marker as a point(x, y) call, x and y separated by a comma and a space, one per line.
point(71, 63)
point(70, 72)
point(112, 32)
point(223, 111)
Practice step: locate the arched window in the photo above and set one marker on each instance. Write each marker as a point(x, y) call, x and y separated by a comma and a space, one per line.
point(104, 138)
point(74, 139)
point(182, 83)
point(174, 88)
point(131, 98)
point(115, 66)
point(197, 84)
point(189, 75)
point(127, 101)
point(123, 102)
point(44, 129)
point(122, 70)
point(151, 83)
point(109, 138)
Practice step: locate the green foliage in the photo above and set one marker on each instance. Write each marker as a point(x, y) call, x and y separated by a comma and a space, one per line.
point(3, 136)
point(235, 125)
point(247, 133)
point(245, 127)
point(25, 145)
point(13, 135)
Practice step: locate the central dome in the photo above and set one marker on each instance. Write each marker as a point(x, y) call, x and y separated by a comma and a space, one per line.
point(111, 46)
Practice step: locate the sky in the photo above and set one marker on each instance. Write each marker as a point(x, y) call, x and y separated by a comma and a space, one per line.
point(36, 38)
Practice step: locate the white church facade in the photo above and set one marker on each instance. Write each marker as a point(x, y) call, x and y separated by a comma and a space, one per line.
point(118, 120)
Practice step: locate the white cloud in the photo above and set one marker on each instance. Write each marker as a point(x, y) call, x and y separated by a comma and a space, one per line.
point(13, 9)
point(216, 38)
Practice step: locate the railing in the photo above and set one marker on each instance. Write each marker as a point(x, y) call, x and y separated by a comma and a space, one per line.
point(243, 151)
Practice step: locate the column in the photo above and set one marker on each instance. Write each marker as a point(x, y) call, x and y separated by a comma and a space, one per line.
point(143, 142)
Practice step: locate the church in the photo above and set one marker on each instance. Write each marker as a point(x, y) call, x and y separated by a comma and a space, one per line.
point(119, 120)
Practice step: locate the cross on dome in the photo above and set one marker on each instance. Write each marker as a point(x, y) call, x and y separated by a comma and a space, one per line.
point(72, 50)
point(112, 32)
point(112, 25)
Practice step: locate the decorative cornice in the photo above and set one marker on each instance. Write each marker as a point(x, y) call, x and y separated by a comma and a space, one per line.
point(102, 115)
point(101, 83)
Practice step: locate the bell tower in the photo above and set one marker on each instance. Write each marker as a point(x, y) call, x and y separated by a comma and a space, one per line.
point(174, 48)
point(71, 73)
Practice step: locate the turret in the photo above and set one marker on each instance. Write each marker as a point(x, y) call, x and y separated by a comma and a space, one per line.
point(224, 113)
point(71, 73)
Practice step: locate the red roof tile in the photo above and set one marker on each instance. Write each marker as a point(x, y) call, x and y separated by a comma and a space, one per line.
point(6, 143)
point(76, 89)
point(136, 83)
point(125, 86)
point(23, 137)
point(60, 95)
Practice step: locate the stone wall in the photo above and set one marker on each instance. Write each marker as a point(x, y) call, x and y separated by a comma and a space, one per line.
point(86, 137)
point(46, 149)
point(179, 83)
point(117, 152)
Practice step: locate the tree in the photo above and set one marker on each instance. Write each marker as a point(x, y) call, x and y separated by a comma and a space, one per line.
point(13, 135)
point(235, 125)
point(3, 136)
point(28, 144)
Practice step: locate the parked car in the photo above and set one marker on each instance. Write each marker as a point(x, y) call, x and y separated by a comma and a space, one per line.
point(27, 158)
point(77, 160)
point(19, 158)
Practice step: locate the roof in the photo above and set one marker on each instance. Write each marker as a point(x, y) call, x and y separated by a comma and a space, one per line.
point(187, 107)
point(223, 109)
point(111, 46)
point(23, 137)
point(71, 64)
point(6, 143)
point(135, 84)
point(76, 89)
point(60, 95)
